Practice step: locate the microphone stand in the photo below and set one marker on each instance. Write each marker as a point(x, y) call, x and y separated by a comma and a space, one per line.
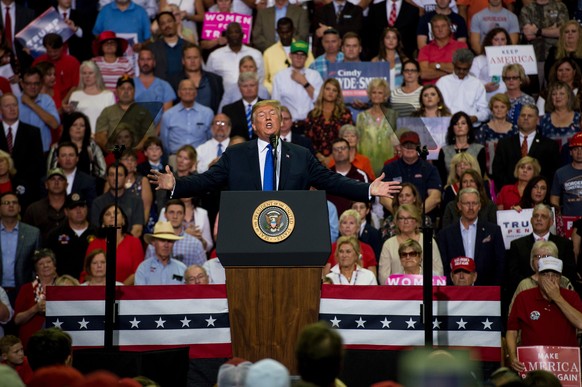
point(273, 140)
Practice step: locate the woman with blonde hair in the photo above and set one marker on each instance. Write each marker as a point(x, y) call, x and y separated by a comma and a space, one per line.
point(7, 172)
point(91, 96)
point(510, 195)
point(432, 103)
point(329, 114)
point(408, 222)
point(459, 164)
point(569, 45)
point(348, 270)
point(377, 127)
point(515, 78)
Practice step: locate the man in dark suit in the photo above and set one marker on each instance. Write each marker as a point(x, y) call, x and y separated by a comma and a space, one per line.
point(20, 17)
point(21, 240)
point(248, 84)
point(264, 35)
point(475, 239)
point(509, 149)
point(518, 257)
point(287, 135)
point(79, 181)
point(407, 17)
point(239, 168)
point(339, 14)
point(26, 151)
point(79, 45)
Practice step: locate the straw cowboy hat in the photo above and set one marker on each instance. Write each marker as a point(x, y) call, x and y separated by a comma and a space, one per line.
point(162, 230)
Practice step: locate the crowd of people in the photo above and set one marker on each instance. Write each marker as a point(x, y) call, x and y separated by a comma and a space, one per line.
point(180, 104)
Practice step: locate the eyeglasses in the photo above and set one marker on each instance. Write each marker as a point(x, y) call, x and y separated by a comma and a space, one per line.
point(196, 279)
point(511, 78)
point(403, 219)
point(538, 256)
point(339, 148)
point(9, 202)
point(219, 123)
point(411, 254)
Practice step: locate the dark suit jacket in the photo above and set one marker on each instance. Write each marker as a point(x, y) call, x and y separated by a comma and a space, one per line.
point(80, 48)
point(406, 24)
point(29, 161)
point(24, 16)
point(508, 153)
point(28, 242)
point(264, 26)
point(305, 142)
point(84, 184)
point(372, 237)
point(238, 170)
point(351, 20)
point(489, 251)
point(518, 259)
point(237, 113)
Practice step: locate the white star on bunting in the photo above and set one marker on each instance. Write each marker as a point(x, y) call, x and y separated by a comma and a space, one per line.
point(335, 322)
point(360, 322)
point(134, 323)
point(210, 321)
point(185, 322)
point(83, 323)
point(160, 323)
point(462, 324)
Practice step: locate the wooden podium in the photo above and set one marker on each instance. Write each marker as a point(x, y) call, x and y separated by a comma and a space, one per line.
point(273, 283)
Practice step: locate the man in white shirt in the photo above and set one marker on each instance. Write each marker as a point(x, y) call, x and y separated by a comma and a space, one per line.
point(211, 150)
point(297, 87)
point(462, 91)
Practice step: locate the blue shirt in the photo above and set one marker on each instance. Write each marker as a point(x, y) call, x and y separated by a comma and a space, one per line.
point(8, 241)
point(181, 126)
point(159, 91)
point(333, 221)
point(134, 20)
point(421, 173)
point(28, 116)
point(279, 13)
point(188, 250)
point(153, 272)
point(469, 236)
point(320, 64)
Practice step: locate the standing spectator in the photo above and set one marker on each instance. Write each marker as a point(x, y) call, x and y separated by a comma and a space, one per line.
point(468, 8)
point(264, 35)
point(494, 16)
point(431, 103)
point(406, 97)
point(209, 86)
point(211, 150)
point(148, 87)
point(331, 43)
point(480, 66)
point(391, 51)
point(109, 57)
point(436, 57)
point(48, 82)
point(341, 15)
point(247, 64)
point(328, 115)
point(562, 119)
point(569, 45)
point(123, 17)
point(240, 111)
point(377, 127)
point(91, 96)
point(352, 135)
point(442, 7)
point(462, 91)
point(298, 87)
point(565, 192)
point(79, 44)
point(67, 156)
point(20, 17)
point(187, 122)
point(540, 23)
point(564, 70)
point(66, 66)
point(511, 194)
point(514, 77)
point(352, 47)
point(168, 50)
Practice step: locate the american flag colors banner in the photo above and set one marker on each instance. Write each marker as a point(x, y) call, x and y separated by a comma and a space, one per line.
point(388, 317)
point(150, 317)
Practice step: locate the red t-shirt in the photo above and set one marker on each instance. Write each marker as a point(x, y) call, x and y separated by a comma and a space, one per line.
point(368, 256)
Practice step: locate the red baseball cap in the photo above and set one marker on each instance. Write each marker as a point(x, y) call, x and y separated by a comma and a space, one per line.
point(463, 263)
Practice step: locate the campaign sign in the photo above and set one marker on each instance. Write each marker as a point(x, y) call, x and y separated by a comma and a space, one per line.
point(565, 225)
point(414, 280)
point(499, 56)
point(517, 224)
point(216, 22)
point(564, 362)
point(355, 77)
point(49, 22)
point(432, 132)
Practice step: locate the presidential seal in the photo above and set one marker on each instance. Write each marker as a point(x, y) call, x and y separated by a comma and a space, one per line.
point(273, 221)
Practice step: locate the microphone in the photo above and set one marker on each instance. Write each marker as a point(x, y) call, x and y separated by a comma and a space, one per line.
point(273, 140)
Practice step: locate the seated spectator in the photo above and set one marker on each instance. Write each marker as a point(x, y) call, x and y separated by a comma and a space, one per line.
point(91, 96)
point(565, 70)
point(348, 271)
point(406, 97)
point(352, 135)
point(13, 356)
point(562, 117)
point(48, 347)
point(431, 103)
point(463, 271)
point(349, 226)
point(495, 129)
point(377, 127)
point(569, 45)
point(329, 114)
point(493, 16)
point(30, 306)
point(269, 372)
point(196, 275)
point(129, 251)
point(462, 91)
point(436, 57)
point(471, 179)
point(408, 222)
point(565, 315)
point(96, 268)
point(460, 138)
point(391, 51)
point(480, 68)
point(161, 269)
point(510, 195)
point(410, 253)
point(77, 130)
point(109, 57)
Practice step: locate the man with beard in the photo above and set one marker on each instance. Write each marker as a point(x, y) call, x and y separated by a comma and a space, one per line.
point(167, 50)
point(148, 87)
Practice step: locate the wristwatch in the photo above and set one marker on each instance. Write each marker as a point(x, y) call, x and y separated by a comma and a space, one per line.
point(437, 66)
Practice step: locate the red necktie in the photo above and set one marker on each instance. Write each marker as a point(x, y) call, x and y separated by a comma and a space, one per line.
point(524, 147)
point(9, 140)
point(392, 18)
point(8, 28)
point(65, 15)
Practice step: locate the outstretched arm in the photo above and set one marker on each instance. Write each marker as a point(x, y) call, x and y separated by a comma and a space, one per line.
point(162, 180)
point(384, 188)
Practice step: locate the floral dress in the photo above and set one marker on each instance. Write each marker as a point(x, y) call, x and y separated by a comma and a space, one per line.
point(322, 133)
